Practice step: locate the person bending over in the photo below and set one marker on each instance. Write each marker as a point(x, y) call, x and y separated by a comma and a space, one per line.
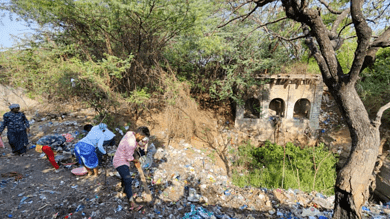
point(109, 138)
point(125, 154)
point(85, 150)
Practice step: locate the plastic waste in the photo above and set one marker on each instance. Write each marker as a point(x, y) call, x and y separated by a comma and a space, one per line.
point(201, 213)
point(306, 212)
point(323, 203)
point(145, 162)
point(319, 195)
point(22, 201)
point(72, 81)
point(193, 197)
point(245, 206)
point(119, 208)
point(79, 208)
point(119, 130)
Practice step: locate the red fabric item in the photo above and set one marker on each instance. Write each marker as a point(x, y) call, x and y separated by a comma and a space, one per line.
point(50, 155)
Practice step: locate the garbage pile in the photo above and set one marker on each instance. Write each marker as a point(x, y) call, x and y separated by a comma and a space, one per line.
point(183, 180)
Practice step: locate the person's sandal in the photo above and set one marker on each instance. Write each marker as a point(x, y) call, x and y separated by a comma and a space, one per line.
point(134, 206)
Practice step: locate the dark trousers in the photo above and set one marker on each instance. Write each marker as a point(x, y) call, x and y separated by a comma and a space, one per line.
point(124, 171)
point(100, 154)
point(18, 141)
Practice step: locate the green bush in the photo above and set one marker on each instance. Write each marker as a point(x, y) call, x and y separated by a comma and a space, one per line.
point(275, 166)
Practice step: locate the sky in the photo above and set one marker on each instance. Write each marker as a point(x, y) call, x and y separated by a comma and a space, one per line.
point(10, 27)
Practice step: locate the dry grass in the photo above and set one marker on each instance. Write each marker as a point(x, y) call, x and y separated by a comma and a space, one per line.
point(181, 111)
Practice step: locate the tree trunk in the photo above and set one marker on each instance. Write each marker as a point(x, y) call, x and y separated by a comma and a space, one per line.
point(355, 177)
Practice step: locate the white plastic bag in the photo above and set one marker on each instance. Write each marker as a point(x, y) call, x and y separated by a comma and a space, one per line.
point(147, 160)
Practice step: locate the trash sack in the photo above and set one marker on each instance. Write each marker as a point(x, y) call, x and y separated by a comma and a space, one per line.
point(323, 203)
point(310, 212)
point(151, 150)
point(146, 162)
point(1, 143)
point(193, 196)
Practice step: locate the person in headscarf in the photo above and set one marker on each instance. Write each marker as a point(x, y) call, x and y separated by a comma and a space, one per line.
point(85, 150)
point(18, 127)
point(109, 139)
point(127, 152)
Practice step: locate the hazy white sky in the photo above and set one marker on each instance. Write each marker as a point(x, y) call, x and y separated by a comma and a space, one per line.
point(10, 27)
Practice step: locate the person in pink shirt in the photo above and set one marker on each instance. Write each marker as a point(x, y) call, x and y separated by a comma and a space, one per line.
point(132, 142)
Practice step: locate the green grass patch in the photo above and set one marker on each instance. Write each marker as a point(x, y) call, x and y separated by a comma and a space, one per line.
point(275, 166)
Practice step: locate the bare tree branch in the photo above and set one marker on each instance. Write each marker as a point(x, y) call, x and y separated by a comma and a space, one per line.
point(384, 37)
point(329, 8)
point(231, 20)
point(320, 59)
point(251, 12)
point(381, 13)
point(271, 22)
point(289, 39)
point(234, 11)
point(262, 25)
point(238, 7)
point(363, 32)
point(377, 121)
point(350, 37)
point(259, 3)
point(379, 42)
point(339, 19)
point(343, 28)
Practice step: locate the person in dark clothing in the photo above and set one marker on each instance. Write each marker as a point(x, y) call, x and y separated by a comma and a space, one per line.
point(18, 127)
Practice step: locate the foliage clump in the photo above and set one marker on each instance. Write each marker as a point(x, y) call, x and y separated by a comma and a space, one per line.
point(275, 166)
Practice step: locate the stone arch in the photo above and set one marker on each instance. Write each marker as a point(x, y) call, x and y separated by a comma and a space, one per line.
point(252, 108)
point(277, 107)
point(302, 108)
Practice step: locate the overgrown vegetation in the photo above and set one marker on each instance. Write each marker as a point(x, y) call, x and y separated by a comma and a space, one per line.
point(121, 50)
point(374, 86)
point(275, 166)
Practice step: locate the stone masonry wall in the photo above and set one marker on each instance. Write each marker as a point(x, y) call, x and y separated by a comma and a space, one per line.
point(288, 90)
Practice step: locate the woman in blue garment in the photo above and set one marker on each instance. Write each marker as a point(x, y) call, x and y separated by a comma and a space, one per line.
point(85, 150)
point(18, 127)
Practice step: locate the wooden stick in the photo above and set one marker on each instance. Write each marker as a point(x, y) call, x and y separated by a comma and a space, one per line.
point(144, 184)
point(43, 207)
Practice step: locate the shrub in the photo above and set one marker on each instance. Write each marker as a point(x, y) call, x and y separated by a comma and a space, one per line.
point(275, 166)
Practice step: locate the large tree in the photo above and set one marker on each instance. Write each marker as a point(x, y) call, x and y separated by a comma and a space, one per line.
point(323, 33)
